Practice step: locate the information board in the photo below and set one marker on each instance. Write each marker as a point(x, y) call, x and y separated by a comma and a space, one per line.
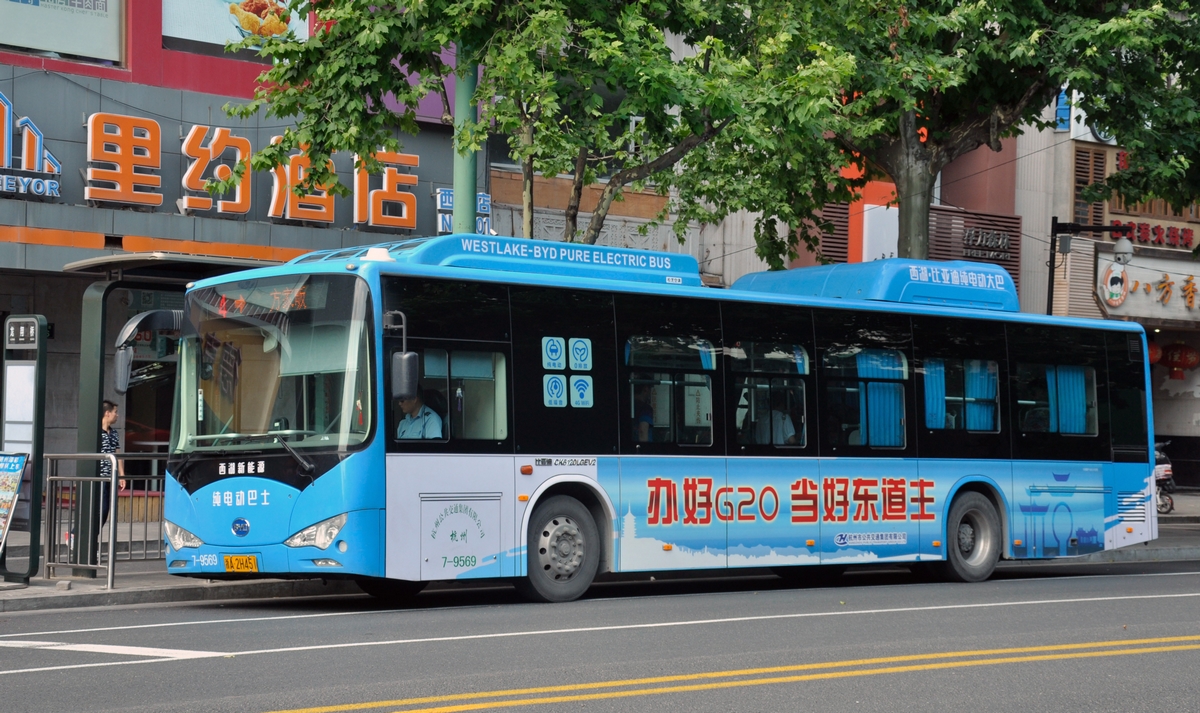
point(12, 467)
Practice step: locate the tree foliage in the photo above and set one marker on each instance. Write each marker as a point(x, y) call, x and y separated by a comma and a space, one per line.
point(617, 89)
point(936, 80)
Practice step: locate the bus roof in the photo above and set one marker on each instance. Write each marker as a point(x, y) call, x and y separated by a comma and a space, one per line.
point(539, 257)
point(884, 285)
point(949, 284)
point(955, 283)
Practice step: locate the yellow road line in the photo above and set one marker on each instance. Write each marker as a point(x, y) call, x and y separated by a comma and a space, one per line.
point(746, 672)
point(789, 679)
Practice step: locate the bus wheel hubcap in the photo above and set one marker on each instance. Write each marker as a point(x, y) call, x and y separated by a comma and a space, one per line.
point(966, 538)
point(560, 548)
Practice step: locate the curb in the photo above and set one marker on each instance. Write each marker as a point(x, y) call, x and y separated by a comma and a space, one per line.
point(188, 593)
point(1176, 519)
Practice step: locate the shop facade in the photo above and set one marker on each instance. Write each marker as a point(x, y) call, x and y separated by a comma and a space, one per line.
point(105, 147)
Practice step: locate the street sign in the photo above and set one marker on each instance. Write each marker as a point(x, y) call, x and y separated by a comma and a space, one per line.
point(24, 406)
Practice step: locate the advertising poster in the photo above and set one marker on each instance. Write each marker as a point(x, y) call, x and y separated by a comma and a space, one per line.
point(12, 467)
point(78, 28)
point(206, 26)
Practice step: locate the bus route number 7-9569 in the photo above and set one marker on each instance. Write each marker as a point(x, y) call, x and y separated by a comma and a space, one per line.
point(459, 561)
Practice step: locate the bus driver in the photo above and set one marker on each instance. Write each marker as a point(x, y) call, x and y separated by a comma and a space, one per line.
point(419, 420)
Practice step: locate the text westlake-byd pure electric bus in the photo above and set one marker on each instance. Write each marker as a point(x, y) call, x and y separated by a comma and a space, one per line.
point(485, 407)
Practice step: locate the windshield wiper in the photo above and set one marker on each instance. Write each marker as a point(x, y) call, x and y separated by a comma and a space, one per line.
point(305, 464)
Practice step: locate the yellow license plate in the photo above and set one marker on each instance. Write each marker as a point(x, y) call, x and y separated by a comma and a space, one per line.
point(241, 563)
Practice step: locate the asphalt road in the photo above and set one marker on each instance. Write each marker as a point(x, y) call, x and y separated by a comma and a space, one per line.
point(1036, 637)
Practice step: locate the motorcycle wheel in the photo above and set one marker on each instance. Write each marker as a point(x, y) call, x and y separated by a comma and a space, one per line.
point(1165, 503)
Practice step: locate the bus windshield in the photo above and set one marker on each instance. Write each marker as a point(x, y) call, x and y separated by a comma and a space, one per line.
point(275, 363)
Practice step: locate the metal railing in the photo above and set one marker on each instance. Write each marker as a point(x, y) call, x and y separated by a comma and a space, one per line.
point(63, 499)
point(134, 530)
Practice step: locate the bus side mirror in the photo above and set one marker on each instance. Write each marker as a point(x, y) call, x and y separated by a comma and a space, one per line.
point(405, 374)
point(122, 364)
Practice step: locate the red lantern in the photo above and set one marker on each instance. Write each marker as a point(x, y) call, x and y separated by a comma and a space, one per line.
point(1155, 352)
point(1178, 357)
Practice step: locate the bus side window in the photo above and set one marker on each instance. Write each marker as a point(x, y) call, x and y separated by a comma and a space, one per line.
point(468, 393)
point(961, 394)
point(433, 389)
point(867, 383)
point(478, 396)
point(1057, 399)
point(769, 410)
point(671, 406)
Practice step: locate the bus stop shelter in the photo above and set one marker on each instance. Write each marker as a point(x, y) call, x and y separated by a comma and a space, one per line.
point(154, 273)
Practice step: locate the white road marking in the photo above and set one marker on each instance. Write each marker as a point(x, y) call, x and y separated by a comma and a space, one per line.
point(588, 629)
point(236, 620)
point(701, 622)
point(112, 649)
point(239, 620)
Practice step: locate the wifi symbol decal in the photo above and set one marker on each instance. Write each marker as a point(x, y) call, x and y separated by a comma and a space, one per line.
point(581, 392)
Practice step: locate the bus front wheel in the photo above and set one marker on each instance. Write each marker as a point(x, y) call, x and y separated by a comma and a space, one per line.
point(563, 551)
point(972, 539)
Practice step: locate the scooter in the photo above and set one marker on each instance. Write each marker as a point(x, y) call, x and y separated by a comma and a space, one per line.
point(1164, 479)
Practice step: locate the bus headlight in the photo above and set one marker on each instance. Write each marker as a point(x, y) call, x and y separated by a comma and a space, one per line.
point(319, 535)
point(179, 537)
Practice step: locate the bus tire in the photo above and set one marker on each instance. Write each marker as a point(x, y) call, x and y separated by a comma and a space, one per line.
point(972, 539)
point(562, 551)
point(391, 591)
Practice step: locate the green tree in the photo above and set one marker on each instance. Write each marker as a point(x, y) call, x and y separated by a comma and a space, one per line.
point(933, 81)
point(545, 65)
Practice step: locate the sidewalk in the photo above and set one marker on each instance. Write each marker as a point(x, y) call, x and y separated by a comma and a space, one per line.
point(146, 582)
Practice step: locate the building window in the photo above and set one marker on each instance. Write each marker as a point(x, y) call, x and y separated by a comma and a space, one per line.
point(1090, 165)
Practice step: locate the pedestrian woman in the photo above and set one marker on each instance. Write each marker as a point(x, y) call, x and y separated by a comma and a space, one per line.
point(110, 442)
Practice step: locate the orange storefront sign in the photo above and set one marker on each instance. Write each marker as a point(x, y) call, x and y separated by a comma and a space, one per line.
point(201, 156)
point(126, 154)
point(126, 149)
point(369, 205)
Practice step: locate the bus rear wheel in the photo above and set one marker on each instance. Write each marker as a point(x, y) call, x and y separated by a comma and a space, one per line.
point(390, 591)
point(972, 539)
point(563, 551)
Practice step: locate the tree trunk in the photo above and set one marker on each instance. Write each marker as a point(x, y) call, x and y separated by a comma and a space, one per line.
point(527, 184)
point(914, 193)
point(909, 162)
point(572, 214)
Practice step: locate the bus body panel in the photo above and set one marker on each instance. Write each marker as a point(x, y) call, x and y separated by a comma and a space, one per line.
point(656, 530)
point(857, 526)
point(450, 517)
point(776, 511)
point(1061, 508)
point(1129, 514)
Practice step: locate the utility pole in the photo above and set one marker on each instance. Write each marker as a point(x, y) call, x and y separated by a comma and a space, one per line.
point(465, 163)
point(1067, 230)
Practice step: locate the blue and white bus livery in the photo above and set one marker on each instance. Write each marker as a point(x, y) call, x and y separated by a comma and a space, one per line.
point(602, 411)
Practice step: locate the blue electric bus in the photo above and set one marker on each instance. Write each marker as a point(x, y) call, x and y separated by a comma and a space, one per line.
point(474, 406)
